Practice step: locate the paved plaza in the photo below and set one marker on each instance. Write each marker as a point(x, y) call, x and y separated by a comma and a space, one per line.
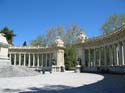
point(67, 82)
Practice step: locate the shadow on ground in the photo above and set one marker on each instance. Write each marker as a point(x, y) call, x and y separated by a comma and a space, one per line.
point(110, 84)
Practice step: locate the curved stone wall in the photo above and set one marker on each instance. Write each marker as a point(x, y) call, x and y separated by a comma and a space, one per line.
point(104, 53)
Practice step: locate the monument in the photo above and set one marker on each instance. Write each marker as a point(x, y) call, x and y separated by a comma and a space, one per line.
point(4, 60)
point(81, 38)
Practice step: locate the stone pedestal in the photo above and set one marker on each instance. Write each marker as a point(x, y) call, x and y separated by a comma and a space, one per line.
point(56, 68)
point(4, 60)
point(77, 70)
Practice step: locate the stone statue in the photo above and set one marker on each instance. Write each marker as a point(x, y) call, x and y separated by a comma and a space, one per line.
point(81, 38)
point(59, 42)
point(78, 65)
point(4, 60)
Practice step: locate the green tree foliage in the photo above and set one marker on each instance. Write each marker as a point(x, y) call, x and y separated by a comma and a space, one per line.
point(70, 57)
point(24, 43)
point(60, 32)
point(39, 41)
point(51, 35)
point(113, 22)
point(68, 36)
point(9, 34)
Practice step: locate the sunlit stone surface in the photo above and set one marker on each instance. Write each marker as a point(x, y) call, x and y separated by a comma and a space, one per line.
point(55, 81)
point(67, 82)
point(4, 60)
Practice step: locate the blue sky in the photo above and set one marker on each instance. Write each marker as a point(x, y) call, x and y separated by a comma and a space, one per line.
point(29, 18)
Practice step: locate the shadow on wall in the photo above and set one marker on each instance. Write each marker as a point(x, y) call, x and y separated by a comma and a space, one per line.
point(110, 84)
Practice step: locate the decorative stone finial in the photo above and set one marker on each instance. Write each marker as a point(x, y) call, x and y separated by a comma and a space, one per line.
point(81, 38)
point(59, 42)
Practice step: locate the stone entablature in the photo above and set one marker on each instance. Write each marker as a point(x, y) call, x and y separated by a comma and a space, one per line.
point(30, 49)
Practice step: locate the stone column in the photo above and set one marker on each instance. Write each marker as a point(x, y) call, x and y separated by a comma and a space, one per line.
point(24, 60)
point(29, 61)
point(37, 60)
point(15, 59)
point(123, 53)
point(111, 56)
point(89, 64)
point(105, 56)
point(19, 59)
point(99, 56)
point(83, 63)
point(10, 57)
point(42, 61)
point(33, 60)
point(50, 59)
point(120, 54)
point(46, 60)
point(94, 57)
point(115, 56)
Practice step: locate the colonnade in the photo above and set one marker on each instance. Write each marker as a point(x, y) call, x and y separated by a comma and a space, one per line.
point(31, 59)
point(106, 55)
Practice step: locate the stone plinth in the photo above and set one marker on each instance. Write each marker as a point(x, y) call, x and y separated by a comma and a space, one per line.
point(77, 70)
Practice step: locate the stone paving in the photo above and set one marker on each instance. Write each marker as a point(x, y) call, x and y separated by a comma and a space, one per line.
point(67, 82)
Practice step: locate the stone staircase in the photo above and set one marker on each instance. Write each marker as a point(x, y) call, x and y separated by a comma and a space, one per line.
point(16, 71)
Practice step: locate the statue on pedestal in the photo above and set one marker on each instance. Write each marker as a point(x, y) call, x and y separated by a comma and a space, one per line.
point(4, 60)
point(78, 65)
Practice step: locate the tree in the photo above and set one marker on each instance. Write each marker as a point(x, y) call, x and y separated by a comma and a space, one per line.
point(71, 34)
point(37, 42)
point(51, 35)
point(60, 32)
point(9, 34)
point(68, 36)
point(24, 43)
point(75, 32)
point(113, 22)
point(70, 57)
point(70, 50)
